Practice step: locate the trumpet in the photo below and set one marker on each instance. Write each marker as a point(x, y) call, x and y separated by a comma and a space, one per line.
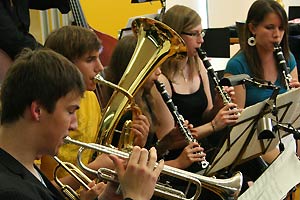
point(177, 117)
point(75, 173)
point(225, 188)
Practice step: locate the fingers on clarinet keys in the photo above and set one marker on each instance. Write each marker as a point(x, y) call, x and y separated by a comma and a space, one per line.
point(204, 164)
point(234, 109)
point(237, 111)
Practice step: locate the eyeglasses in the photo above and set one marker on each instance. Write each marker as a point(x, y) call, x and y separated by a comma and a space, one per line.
point(195, 34)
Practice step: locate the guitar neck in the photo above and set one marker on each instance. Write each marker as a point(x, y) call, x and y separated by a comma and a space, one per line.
point(78, 15)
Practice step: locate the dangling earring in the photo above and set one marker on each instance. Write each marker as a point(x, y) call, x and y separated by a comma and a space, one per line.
point(251, 41)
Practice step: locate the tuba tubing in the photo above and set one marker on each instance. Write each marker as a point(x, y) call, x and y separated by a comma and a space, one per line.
point(225, 188)
point(127, 137)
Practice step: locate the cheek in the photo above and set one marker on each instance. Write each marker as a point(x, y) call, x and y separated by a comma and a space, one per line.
point(191, 50)
point(63, 124)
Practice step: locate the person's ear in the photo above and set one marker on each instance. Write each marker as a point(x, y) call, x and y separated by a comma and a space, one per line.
point(35, 110)
point(252, 28)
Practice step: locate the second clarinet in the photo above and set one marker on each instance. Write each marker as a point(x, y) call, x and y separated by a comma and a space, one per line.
point(210, 70)
point(177, 117)
point(224, 95)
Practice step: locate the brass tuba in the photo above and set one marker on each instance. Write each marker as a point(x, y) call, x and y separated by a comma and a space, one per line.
point(156, 42)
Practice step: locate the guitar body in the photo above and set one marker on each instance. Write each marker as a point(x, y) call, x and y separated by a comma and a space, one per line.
point(108, 43)
point(5, 63)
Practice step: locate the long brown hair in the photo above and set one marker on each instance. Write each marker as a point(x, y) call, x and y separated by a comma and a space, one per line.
point(256, 15)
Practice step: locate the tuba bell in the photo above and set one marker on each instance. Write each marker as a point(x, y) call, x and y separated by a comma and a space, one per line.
point(156, 42)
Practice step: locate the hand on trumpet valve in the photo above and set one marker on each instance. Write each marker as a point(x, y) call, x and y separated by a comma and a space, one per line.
point(139, 171)
point(94, 191)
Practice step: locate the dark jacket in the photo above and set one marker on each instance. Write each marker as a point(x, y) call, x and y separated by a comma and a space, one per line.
point(16, 182)
point(15, 22)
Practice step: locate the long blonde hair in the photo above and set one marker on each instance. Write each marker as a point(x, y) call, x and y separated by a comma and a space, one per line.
point(181, 19)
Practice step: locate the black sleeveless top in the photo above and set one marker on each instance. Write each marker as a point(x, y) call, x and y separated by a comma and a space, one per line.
point(191, 106)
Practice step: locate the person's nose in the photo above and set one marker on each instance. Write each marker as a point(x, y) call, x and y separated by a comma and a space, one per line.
point(200, 40)
point(158, 71)
point(73, 122)
point(99, 67)
point(277, 32)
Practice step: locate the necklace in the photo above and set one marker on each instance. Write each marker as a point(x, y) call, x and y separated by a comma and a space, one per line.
point(183, 76)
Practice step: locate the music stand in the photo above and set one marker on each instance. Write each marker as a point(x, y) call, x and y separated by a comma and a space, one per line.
point(127, 30)
point(242, 142)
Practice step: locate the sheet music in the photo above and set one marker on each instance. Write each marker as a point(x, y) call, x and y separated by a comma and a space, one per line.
point(281, 176)
point(288, 105)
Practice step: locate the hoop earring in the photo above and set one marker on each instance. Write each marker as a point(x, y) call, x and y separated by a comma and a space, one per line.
point(251, 41)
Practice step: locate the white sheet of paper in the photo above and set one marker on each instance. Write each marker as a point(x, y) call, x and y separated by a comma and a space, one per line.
point(281, 176)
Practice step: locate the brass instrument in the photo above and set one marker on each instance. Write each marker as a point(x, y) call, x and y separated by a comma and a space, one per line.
point(282, 64)
point(177, 117)
point(156, 42)
point(75, 173)
point(225, 188)
point(126, 139)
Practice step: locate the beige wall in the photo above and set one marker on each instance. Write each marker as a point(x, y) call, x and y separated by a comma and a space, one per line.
point(111, 16)
point(224, 13)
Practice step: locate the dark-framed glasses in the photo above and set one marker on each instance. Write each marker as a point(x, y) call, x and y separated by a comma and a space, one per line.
point(195, 34)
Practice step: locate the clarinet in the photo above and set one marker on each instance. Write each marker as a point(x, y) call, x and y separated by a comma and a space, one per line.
point(211, 72)
point(177, 117)
point(282, 64)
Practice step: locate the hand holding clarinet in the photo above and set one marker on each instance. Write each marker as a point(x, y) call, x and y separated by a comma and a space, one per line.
point(178, 119)
point(228, 113)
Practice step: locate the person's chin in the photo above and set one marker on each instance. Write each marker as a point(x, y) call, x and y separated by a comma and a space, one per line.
point(91, 87)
